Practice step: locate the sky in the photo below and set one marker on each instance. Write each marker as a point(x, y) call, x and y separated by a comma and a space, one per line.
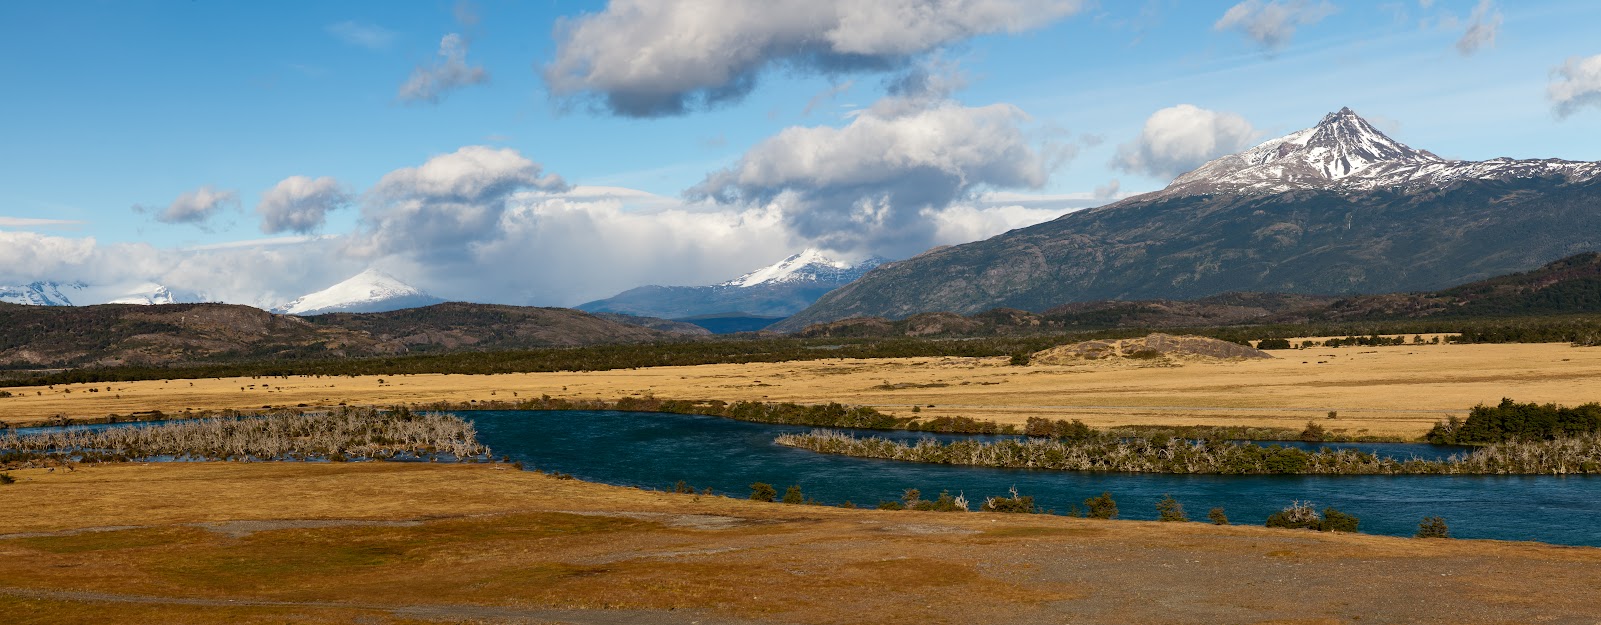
point(552, 153)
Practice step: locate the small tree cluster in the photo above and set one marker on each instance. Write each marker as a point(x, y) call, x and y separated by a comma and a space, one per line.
point(1217, 517)
point(1101, 506)
point(762, 491)
point(1021, 504)
point(1303, 515)
point(1433, 527)
point(1170, 510)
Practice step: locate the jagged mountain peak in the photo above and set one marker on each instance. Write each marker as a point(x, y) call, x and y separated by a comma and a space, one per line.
point(1345, 152)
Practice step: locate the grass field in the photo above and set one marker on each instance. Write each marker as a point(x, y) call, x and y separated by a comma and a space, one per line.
point(1378, 391)
point(403, 543)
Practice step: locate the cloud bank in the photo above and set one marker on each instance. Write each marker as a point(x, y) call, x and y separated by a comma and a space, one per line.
point(649, 58)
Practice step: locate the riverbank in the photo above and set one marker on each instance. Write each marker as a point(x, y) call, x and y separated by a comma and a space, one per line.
point(1386, 392)
point(216, 541)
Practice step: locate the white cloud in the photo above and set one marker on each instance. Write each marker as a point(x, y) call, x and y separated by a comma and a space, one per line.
point(430, 83)
point(34, 222)
point(1272, 23)
point(1483, 25)
point(1575, 85)
point(370, 36)
point(448, 201)
point(867, 185)
point(29, 256)
point(299, 204)
point(644, 58)
point(1178, 139)
point(193, 207)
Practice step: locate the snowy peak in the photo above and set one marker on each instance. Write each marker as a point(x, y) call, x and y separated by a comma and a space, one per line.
point(809, 265)
point(368, 291)
point(41, 293)
point(1345, 152)
point(46, 293)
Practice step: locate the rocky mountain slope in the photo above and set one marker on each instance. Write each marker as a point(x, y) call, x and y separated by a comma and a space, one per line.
point(1565, 287)
point(1339, 208)
point(778, 290)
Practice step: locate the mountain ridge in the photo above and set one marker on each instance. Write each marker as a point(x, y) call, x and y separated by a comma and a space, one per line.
point(777, 290)
point(1355, 226)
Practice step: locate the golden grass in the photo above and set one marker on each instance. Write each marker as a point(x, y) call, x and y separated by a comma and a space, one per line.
point(1380, 391)
point(385, 542)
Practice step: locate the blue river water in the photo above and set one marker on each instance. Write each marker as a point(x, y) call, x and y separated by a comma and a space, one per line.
point(653, 450)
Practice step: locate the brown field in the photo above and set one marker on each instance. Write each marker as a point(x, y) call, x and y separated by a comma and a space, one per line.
point(404, 543)
point(1378, 391)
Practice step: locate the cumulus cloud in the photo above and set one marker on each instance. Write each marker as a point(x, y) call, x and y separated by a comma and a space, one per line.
point(867, 184)
point(299, 204)
point(193, 207)
point(645, 58)
point(370, 36)
point(1271, 24)
point(1483, 24)
point(1575, 85)
point(29, 256)
point(430, 83)
point(1178, 139)
point(450, 200)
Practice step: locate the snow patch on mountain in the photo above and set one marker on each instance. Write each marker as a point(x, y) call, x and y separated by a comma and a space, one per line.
point(810, 265)
point(48, 293)
point(1343, 152)
point(368, 291)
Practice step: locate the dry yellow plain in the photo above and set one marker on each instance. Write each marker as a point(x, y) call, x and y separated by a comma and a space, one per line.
point(184, 543)
point(1380, 391)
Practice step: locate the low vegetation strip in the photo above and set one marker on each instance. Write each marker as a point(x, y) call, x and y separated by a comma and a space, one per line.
point(1108, 452)
point(346, 434)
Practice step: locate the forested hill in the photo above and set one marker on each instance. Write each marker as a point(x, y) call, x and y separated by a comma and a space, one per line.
point(111, 335)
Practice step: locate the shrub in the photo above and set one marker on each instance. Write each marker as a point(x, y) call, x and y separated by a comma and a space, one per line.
point(912, 498)
point(1273, 344)
point(945, 503)
point(1217, 517)
point(793, 495)
point(5, 478)
point(1101, 507)
point(1020, 359)
point(848, 505)
point(1297, 515)
point(891, 505)
point(1170, 510)
point(1313, 433)
point(1017, 504)
point(762, 491)
point(683, 488)
point(1336, 521)
point(1433, 527)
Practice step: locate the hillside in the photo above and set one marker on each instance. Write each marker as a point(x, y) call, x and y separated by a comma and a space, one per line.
point(1335, 209)
point(113, 335)
point(1568, 286)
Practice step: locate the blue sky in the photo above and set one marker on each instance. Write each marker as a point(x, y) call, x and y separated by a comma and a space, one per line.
point(117, 105)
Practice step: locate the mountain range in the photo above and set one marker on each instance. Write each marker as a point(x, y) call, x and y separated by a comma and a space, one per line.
point(1336, 209)
point(1565, 287)
point(769, 293)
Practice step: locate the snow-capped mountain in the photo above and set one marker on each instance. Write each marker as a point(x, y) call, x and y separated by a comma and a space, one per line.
point(1346, 153)
point(773, 292)
point(368, 291)
point(46, 293)
point(1337, 208)
point(42, 293)
point(809, 265)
